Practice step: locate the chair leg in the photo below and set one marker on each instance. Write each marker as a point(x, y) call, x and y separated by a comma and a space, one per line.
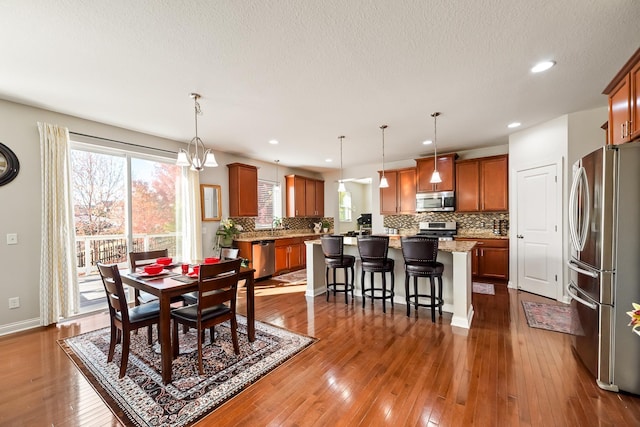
point(150, 334)
point(125, 353)
point(234, 335)
point(346, 285)
point(334, 281)
point(212, 334)
point(353, 285)
point(175, 343)
point(200, 367)
point(415, 291)
point(440, 302)
point(112, 342)
point(384, 291)
point(406, 293)
point(433, 299)
point(364, 273)
point(326, 280)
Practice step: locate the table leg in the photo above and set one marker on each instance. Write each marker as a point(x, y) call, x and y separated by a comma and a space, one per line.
point(251, 327)
point(164, 337)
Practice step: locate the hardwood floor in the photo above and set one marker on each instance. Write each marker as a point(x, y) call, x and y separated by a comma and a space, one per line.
point(368, 368)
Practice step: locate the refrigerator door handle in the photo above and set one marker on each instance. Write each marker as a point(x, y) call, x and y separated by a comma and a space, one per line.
point(575, 268)
point(573, 210)
point(574, 296)
point(586, 208)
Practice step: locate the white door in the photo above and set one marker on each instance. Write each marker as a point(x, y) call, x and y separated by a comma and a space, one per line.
point(538, 232)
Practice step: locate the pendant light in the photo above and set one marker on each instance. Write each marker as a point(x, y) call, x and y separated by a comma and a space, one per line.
point(383, 179)
point(341, 188)
point(435, 177)
point(196, 155)
point(277, 187)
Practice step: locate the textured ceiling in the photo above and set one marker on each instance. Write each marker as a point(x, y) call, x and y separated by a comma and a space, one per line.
point(305, 72)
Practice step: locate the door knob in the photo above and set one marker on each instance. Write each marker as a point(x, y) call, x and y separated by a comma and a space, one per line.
point(520, 236)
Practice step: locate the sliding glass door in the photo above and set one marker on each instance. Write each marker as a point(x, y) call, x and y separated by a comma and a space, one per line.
point(122, 202)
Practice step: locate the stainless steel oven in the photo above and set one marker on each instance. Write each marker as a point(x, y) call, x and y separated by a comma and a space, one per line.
point(441, 201)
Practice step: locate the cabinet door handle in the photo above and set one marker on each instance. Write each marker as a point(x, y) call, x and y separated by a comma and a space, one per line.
point(630, 127)
point(520, 236)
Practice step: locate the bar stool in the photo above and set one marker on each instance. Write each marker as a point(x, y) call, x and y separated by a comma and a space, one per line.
point(373, 253)
point(334, 258)
point(420, 254)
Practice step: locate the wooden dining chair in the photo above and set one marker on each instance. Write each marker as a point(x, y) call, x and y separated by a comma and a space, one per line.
point(140, 259)
point(124, 319)
point(217, 285)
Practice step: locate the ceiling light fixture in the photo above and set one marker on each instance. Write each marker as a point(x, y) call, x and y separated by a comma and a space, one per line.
point(196, 155)
point(514, 125)
point(542, 66)
point(277, 187)
point(273, 141)
point(427, 142)
point(341, 188)
point(435, 177)
point(383, 179)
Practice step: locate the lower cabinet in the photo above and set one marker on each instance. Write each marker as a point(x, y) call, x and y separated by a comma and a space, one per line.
point(290, 254)
point(490, 259)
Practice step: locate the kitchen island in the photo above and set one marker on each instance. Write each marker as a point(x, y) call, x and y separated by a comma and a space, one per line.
point(456, 279)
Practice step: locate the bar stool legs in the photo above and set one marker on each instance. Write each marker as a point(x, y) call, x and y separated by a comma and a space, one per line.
point(435, 296)
point(347, 286)
point(386, 293)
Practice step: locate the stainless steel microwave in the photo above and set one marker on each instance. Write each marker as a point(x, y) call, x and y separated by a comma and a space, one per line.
point(435, 202)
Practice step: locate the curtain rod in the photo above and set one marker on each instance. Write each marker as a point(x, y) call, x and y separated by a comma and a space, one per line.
point(122, 142)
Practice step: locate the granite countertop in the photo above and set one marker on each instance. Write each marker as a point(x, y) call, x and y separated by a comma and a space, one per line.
point(479, 234)
point(445, 246)
point(278, 234)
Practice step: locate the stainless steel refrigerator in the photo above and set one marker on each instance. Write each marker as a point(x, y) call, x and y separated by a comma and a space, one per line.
point(604, 225)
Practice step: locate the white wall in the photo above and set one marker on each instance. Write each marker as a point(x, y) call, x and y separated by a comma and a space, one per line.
point(560, 141)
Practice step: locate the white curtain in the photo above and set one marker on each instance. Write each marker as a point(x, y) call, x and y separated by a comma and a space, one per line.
point(190, 225)
point(59, 292)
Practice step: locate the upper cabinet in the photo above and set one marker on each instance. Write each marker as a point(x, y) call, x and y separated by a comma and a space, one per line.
point(624, 97)
point(400, 196)
point(446, 167)
point(305, 196)
point(482, 184)
point(243, 190)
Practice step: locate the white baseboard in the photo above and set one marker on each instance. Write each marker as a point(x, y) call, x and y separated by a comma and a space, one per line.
point(19, 326)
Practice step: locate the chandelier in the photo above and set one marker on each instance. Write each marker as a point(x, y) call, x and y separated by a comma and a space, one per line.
point(196, 155)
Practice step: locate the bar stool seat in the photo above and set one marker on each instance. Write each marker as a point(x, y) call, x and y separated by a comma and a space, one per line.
point(373, 254)
point(420, 254)
point(334, 258)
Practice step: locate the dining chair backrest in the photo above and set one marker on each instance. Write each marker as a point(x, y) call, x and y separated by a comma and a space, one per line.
point(419, 249)
point(373, 248)
point(332, 246)
point(229, 253)
point(140, 259)
point(217, 284)
point(116, 297)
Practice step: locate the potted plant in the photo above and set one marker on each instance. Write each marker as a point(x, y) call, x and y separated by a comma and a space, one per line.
point(325, 225)
point(227, 231)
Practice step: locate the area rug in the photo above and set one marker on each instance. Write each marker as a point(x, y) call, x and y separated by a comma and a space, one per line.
point(141, 399)
point(296, 277)
point(557, 318)
point(483, 288)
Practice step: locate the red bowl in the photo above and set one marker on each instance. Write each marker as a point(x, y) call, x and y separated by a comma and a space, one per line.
point(196, 269)
point(211, 260)
point(164, 261)
point(153, 268)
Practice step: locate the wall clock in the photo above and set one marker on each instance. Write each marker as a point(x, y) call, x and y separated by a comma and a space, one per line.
point(9, 165)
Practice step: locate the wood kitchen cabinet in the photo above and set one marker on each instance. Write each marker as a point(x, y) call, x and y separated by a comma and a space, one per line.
point(243, 190)
point(400, 196)
point(446, 167)
point(624, 97)
point(482, 184)
point(305, 196)
point(490, 259)
point(290, 254)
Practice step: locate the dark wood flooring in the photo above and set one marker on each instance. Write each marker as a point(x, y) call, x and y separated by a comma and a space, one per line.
point(367, 369)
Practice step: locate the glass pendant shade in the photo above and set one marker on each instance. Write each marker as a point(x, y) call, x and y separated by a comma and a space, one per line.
point(383, 179)
point(383, 182)
point(435, 178)
point(341, 187)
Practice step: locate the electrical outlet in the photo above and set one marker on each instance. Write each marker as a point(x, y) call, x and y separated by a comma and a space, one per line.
point(14, 302)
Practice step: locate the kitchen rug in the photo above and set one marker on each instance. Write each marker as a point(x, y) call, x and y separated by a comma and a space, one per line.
point(141, 399)
point(298, 277)
point(557, 318)
point(483, 288)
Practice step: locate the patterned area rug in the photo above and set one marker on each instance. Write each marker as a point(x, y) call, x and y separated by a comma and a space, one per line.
point(557, 318)
point(296, 277)
point(483, 288)
point(140, 398)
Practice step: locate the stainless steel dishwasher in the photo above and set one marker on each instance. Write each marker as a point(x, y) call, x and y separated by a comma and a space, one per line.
point(263, 253)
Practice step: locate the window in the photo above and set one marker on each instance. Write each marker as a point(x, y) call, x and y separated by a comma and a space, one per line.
point(269, 203)
point(344, 201)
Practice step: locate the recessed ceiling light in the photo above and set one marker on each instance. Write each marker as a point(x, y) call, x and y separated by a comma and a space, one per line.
point(542, 66)
point(513, 125)
point(328, 160)
point(427, 142)
point(273, 141)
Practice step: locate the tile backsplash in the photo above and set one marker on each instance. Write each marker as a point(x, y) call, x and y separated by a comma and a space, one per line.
point(408, 224)
point(297, 224)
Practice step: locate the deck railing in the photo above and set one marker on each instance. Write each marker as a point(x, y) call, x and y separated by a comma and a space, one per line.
point(113, 248)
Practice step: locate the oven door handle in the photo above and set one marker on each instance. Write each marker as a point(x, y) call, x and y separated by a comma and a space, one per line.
point(574, 296)
point(577, 269)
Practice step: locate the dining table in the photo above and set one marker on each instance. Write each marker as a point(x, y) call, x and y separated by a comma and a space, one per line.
point(170, 284)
